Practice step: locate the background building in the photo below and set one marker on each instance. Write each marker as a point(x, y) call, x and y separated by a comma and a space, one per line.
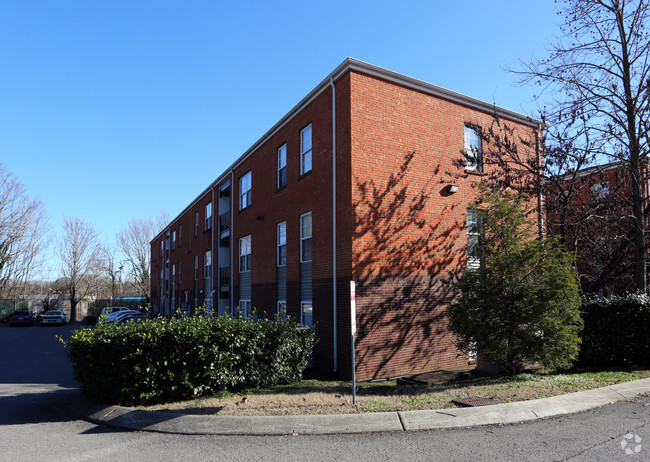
point(367, 179)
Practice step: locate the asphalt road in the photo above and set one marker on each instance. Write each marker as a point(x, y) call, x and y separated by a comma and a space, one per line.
point(36, 382)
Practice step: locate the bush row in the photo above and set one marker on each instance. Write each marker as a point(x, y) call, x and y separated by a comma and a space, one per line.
point(616, 331)
point(163, 360)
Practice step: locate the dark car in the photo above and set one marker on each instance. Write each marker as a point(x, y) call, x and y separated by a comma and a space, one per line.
point(90, 319)
point(21, 318)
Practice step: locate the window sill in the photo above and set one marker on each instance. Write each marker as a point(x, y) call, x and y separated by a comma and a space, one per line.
point(281, 188)
point(474, 172)
point(304, 175)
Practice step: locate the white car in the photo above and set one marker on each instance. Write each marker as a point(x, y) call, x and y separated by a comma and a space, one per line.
point(118, 316)
point(53, 317)
point(114, 309)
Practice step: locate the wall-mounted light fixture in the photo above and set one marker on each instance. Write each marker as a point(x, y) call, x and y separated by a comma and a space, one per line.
point(452, 188)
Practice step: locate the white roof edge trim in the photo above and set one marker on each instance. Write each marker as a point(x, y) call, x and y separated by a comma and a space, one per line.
point(376, 71)
point(441, 92)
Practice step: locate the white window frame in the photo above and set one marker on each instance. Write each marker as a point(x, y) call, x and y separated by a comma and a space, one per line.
point(196, 267)
point(245, 187)
point(303, 319)
point(282, 312)
point(599, 191)
point(282, 165)
point(282, 233)
point(245, 308)
point(473, 148)
point(208, 216)
point(245, 250)
point(306, 149)
point(173, 294)
point(196, 224)
point(207, 274)
point(173, 240)
point(474, 231)
point(304, 237)
point(207, 264)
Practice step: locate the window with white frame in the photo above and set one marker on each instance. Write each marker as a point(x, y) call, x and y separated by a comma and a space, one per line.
point(599, 191)
point(473, 149)
point(207, 273)
point(474, 238)
point(173, 295)
point(196, 224)
point(245, 254)
point(208, 216)
point(305, 149)
point(305, 237)
point(282, 309)
point(282, 165)
point(245, 308)
point(282, 243)
point(207, 264)
point(196, 267)
point(162, 248)
point(173, 240)
point(245, 185)
point(307, 313)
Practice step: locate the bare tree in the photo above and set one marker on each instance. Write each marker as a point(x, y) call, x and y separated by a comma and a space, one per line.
point(80, 255)
point(112, 267)
point(23, 235)
point(598, 71)
point(134, 242)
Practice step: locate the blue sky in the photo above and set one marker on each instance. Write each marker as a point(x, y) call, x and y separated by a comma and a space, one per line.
point(111, 110)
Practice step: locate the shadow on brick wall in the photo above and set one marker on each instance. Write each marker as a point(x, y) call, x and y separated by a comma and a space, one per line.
point(405, 259)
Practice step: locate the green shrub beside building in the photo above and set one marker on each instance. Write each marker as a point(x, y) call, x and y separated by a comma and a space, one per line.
point(163, 360)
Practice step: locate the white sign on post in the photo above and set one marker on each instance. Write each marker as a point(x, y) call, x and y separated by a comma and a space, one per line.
point(353, 308)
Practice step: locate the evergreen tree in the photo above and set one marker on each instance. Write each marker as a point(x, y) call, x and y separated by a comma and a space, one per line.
point(522, 304)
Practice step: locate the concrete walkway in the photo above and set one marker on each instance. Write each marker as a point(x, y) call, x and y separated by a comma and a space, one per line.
point(168, 422)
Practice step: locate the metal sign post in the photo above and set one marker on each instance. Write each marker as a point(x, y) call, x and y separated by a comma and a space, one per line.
point(353, 325)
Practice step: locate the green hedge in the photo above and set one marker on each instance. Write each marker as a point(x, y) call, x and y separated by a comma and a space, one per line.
point(616, 331)
point(161, 360)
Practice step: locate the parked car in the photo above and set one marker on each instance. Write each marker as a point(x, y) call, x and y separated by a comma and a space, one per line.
point(114, 309)
point(117, 316)
point(90, 319)
point(54, 317)
point(21, 318)
point(128, 317)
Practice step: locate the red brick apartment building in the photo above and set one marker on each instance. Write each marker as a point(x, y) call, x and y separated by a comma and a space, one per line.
point(364, 180)
point(594, 215)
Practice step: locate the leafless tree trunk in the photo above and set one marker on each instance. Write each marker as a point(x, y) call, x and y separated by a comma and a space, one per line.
point(80, 255)
point(598, 70)
point(23, 235)
point(134, 242)
point(111, 266)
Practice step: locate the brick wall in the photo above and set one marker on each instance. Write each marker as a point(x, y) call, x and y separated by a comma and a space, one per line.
point(409, 237)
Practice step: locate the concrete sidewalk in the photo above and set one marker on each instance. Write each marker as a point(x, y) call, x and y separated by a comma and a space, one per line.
point(168, 422)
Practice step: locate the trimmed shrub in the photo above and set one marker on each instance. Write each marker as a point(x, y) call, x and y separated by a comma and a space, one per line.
point(616, 331)
point(162, 360)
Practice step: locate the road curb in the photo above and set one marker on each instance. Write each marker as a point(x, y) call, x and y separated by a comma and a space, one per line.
point(522, 411)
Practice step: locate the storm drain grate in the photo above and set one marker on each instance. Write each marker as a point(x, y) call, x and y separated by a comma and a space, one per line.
point(473, 402)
